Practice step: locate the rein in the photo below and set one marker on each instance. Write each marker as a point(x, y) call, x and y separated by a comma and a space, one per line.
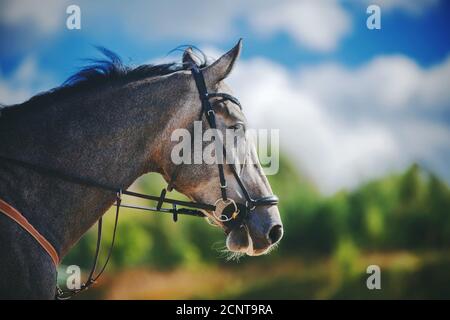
point(232, 215)
point(92, 278)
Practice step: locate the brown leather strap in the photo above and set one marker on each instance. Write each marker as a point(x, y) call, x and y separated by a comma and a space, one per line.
point(11, 212)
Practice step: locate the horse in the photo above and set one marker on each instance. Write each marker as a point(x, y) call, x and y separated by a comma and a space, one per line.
point(112, 123)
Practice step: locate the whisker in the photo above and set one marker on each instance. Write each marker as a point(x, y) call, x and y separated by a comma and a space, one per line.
point(225, 253)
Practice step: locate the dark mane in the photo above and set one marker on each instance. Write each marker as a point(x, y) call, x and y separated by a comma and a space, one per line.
point(109, 69)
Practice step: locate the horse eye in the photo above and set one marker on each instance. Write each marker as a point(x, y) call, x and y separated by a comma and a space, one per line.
point(237, 126)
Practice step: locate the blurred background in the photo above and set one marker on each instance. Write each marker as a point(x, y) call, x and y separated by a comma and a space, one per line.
point(364, 119)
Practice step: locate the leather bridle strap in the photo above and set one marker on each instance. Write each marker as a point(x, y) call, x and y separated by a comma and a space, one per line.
point(94, 184)
point(210, 117)
point(18, 217)
point(225, 96)
point(92, 278)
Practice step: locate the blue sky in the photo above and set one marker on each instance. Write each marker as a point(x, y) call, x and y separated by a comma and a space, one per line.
point(378, 94)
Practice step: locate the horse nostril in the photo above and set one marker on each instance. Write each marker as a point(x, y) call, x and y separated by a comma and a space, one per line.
point(275, 234)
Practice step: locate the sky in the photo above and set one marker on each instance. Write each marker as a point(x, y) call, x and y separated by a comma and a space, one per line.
point(352, 104)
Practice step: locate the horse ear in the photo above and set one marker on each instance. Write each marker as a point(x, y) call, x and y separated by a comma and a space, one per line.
point(188, 57)
point(222, 67)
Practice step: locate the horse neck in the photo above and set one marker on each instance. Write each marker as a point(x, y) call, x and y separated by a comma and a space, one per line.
point(111, 136)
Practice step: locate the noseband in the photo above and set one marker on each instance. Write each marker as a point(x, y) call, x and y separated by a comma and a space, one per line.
point(232, 215)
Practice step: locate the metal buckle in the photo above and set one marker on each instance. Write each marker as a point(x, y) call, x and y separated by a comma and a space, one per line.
point(225, 203)
point(210, 111)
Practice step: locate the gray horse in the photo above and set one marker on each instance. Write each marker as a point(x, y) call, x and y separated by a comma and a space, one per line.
point(111, 124)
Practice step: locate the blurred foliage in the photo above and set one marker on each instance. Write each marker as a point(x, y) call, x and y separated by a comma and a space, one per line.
point(401, 212)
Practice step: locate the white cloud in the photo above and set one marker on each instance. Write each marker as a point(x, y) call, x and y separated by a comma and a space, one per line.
point(317, 25)
point(10, 94)
point(198, 20)
point(24, 82)
point(434, 90)
point(344, 126)
point(46, 15)
point(389, 83)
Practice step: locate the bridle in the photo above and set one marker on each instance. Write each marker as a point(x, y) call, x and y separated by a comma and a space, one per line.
point(237, 213)
point(232, 215)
